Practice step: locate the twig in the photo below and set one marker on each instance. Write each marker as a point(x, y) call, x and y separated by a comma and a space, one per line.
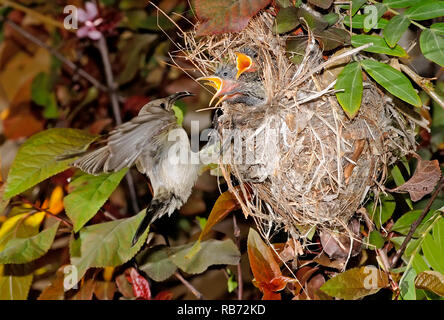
point(415, 225)
point(66, 222)
point(239, 267)
point(58, 55)
point(33, 13)
point(189, 286)
point(103, 48)
point(425, 84)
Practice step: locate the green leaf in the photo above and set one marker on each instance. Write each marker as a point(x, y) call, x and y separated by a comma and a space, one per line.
point(400, 3)
point(15, 287)
point(376, 239)
point(20, 226)
point(133, 53)
point(383, 211)
point(296, 49)
point(156, 263)
point(395, 29)
point(358, 22)
point(432, 46)
point(89, 194)
point(403, 224)
point(379, 45)
point(331, 18)
point(438, 28)
point(324, 4)
point(23, 250)
point(36, 159)
point(356, 5)
point(433, 247)
point(426, 11)
point(356, 283)
point(332, 38)
point(43, 95)
point(106, 244)
point(314, 23)
point(431, 281)
point(407, 285)
point(212, 252)
point(286, 20)
point(231, 282)
point(350, 81)
point(392, 80)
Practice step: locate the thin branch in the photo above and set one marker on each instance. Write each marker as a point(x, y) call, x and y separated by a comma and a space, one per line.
point(103, 48)
point(189, 286)
point(424, 83)
point(415, 225)
point(66, 222)
point(239, 267)
point(96, 83)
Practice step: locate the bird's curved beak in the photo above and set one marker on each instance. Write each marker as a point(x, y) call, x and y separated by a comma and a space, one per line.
point(216, 83)
point(179, 95)
point(243, 63)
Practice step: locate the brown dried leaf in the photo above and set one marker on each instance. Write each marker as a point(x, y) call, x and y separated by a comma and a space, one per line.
point(225, 16)
point(338, 246)
point(423, 181)
point(104, 290)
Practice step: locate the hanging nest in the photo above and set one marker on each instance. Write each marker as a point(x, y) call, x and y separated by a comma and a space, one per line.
point(313, 166)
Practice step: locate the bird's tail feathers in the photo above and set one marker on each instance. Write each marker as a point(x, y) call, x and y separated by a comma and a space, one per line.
point(93, 162)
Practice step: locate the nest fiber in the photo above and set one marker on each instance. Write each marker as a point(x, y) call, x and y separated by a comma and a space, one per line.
point(313, 166)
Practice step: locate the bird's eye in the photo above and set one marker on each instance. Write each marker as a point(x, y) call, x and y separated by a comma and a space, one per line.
point(225, 74)
point(162, 105)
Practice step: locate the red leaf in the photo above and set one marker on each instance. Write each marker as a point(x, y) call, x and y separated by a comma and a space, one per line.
point(225, 16)
point(423, 181)
point(267, 274)
point(141, 287)
point(164, 295)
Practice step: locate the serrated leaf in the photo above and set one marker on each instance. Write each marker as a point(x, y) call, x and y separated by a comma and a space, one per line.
point(392, 80)
point(106, 244)
point(432, 46)
point(36, 159)
point(23, 250)
point(20, 226)
point(400, 3)
point(155, 262)
point(356, 283)
point(394, 30)
point(432, 281)
point(379, 45)
point(433, 247)
point(286, 20)
point(350, 81)
point(212, 252)
point(89, 194)
point(225, 16)
point(425, 11)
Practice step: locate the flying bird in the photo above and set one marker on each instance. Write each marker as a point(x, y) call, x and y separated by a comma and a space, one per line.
point(160, 149)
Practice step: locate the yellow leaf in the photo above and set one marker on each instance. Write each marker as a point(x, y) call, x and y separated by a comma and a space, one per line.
point(56, 200)
point(28, 227)
point(108, 273)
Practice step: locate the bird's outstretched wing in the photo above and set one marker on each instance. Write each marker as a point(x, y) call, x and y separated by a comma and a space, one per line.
point(127, 142)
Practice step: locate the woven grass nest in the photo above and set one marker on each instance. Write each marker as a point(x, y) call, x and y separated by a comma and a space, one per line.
point(317, 166)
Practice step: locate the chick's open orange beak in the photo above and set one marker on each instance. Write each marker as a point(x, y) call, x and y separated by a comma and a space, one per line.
point(243, 63)
point(216, 83)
